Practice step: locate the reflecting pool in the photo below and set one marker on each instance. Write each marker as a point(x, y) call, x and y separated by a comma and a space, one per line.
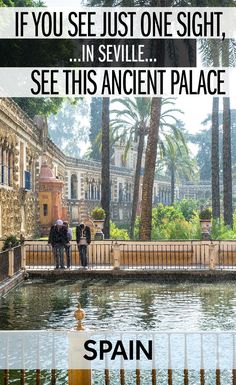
point(121, 305)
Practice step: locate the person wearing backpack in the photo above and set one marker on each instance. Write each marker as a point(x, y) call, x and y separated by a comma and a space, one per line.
point(68, 245)
point(58, 239)
point(83, 239)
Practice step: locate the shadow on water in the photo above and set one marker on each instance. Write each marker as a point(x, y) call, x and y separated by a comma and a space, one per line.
point(123, 304)
point(120, 305)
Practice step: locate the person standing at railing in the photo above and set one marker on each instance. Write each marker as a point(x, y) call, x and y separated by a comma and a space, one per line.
point(83, 239)
point(68, 246)
point(58, 240)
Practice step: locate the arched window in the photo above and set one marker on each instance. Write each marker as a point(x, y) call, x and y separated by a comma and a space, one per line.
point(74, 186)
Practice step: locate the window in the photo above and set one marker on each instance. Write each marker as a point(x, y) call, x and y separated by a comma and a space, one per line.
point(120, 192)
point(27, 180)
point(45, 210)
point(22, 164)
point(74, 186)
point(6, 167)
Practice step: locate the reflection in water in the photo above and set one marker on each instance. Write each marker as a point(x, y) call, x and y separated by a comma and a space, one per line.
point(122, 305)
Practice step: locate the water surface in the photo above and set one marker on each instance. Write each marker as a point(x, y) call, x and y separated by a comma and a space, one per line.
point(122, 305)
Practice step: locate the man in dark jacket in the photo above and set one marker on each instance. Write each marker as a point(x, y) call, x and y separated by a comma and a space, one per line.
point(83, 239)
point(68, 246)
point(58, 240)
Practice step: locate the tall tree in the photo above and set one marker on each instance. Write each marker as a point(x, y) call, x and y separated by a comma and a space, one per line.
point(70, 126)
point(203, 157)
point(132, 124)
point(227, 163)
point(105, 175)
point(40, 106)
point(95, 127)
point(227, 157)
point(175, 158)
point(21, 3)
point(26, 52)
point(134, 118)
point(211, 50)
point(149, 172)
point(215, 160)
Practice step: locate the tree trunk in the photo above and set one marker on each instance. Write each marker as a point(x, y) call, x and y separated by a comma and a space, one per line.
point(172, 184)
point(227, 158)
point(149, 171)
point(137, 182)
point(105, 174)
point(227, 163)
point(215, 167)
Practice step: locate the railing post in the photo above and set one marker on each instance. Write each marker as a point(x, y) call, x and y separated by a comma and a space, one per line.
point(79, 376)
point(204, 254)
point(10, 262)
point(212, 256)
point(23, 256)
point(116, 256)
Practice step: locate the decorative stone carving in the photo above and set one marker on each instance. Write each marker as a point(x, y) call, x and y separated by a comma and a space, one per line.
point(22, 196)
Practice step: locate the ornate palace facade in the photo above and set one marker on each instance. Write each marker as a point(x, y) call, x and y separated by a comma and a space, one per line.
point(38, 182)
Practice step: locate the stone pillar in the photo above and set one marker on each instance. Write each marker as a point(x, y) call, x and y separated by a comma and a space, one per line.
point(204, 256)
point(11, 263)
point(212, 256)
point(116, 256)
point(23, 256)
point(79, 195)
point(69, 183)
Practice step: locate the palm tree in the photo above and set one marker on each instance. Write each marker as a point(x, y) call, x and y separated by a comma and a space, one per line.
point(211, 50)
point(216, 52)
point(227, 163)
point(105, 174)
point(160, 127)
point(175, 158)
point(132, 124)
point(134, 118)
point(149, 173)
point(228, 56)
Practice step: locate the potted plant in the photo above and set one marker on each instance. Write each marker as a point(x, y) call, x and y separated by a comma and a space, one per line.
point(98, 215)
point(205, 216)
point(10, 241)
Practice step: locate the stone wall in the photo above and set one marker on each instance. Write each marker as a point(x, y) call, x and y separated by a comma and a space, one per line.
point(19, 214)
point(19, 137)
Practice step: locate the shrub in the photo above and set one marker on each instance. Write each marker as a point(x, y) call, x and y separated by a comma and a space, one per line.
point(220, 231)
point(116, 233)
point(164, 214)
point(177, 229)
point(98, 214)
point(169, 222)
point(10, 242)
point(188, 208)
point(205, 214)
